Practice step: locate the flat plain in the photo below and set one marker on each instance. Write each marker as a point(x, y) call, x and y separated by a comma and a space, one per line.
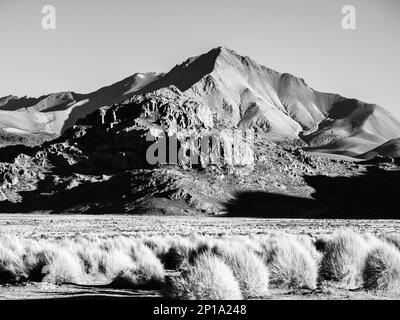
point(52, 226)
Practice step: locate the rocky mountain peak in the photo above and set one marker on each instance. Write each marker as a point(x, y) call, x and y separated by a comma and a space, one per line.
point(238, 91)
point(100, 163)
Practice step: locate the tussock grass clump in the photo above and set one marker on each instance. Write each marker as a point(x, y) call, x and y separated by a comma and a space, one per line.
point(311, 245)
point(290, 264)
point(381, 270)
point(12, 243)
point(248, 268)
point(11, 266)
point(111, 262)
point(344, 256)
point(321, 242)
point(177, 253)
point(174, 252)
point(250, 243)
point(52, 264)
point(62, 267)
point(91, 258)
point(393, 238)
point(124, 263)
point(228, 267)
point(208, 278)
point(148, 271)
point(158, 245)
point(101, 261)
point(82, 260)
point(139, 277)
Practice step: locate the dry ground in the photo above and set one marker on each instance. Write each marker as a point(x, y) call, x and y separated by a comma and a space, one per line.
point(53, 226)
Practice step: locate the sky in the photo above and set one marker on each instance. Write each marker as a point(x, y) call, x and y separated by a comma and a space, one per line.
point(98, 42)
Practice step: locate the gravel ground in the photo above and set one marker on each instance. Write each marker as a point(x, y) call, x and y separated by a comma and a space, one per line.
point(53, 226)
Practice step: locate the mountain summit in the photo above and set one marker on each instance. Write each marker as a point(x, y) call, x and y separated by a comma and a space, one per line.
point(246, 94)
point(240, 93)
point(99, 160)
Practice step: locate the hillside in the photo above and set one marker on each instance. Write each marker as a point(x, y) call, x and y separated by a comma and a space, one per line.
point(54, 113)
point(388, 149)
point(218, 134)
point(240, 92)
point(100, 165)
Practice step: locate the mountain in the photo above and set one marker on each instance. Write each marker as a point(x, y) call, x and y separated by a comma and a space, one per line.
point(388, 149)
point(12, 103)
point(240, 92)
point(254, 124)
point(101, 165)
point(54, 113)
point(246, 94)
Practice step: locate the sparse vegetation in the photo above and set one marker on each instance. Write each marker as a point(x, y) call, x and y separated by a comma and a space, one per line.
point(393, 238)
point(123, 262)
point(208, 278)
point(203, 267)
point(381, 270)
point(10, 265)
point(55, 265)
point(248, 268)
point(344, 255)
point(290, 264)
point(172, 252)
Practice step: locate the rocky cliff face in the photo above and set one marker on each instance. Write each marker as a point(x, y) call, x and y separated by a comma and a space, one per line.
point(245, 94)
point(238, 92)
point(114, 140)
point(188, 141)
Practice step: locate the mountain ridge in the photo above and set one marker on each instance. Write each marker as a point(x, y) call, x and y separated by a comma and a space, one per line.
point(100, 163)
point(239, 91)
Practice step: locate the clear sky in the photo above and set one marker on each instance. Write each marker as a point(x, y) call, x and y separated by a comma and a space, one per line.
point(98, 42)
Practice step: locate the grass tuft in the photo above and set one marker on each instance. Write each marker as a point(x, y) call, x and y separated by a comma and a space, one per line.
point(248, 268)
point(381, 270)
point(208, 278)
point(344, 255)
point(290, 264)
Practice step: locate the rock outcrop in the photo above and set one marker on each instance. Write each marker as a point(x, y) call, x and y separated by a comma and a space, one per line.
point(238, 92)
point(188, 141)
point(114, 140)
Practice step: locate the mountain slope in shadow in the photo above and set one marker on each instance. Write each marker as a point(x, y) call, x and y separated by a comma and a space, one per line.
point(372, 195)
